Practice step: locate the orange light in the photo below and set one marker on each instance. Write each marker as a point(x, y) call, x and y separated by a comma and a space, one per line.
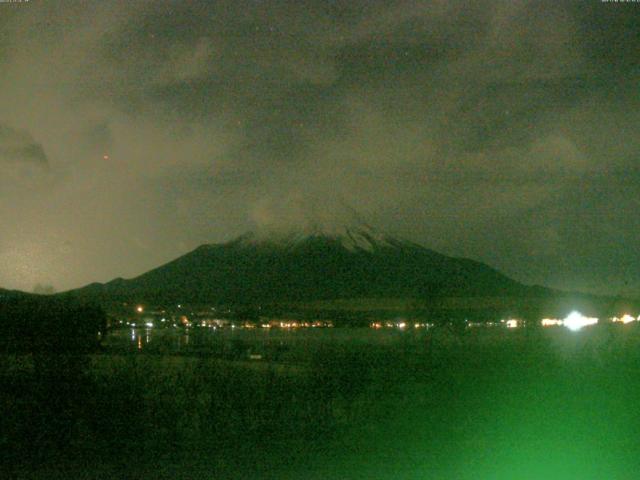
point(550, 322)
point(624, 319)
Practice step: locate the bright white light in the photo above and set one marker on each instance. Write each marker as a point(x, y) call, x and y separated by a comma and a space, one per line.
point(149, 324)
point(575, 321)
point(512, 323)
point(139, 309)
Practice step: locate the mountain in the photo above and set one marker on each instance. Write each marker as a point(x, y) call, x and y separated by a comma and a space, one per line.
point(13, 294)
point(307, 266)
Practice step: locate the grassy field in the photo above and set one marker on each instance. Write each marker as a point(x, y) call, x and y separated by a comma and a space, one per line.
point(476, 404)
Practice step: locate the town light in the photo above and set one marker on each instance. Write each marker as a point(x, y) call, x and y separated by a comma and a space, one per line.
point(550, 322)
point(624, 319)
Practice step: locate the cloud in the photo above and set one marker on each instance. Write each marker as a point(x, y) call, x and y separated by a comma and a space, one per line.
point(19, 146)
point(135, 131)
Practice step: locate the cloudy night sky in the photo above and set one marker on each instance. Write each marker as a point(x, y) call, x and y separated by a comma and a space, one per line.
point(505, 131)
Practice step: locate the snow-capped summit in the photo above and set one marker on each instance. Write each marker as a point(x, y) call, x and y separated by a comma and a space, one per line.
point(361, 237)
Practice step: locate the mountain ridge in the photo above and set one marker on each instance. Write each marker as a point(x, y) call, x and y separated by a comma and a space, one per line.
point(312, 264)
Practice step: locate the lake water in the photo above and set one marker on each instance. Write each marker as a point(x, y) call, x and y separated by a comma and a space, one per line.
point(256, 343)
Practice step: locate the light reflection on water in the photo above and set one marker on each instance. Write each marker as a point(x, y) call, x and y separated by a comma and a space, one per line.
point(148, 339)
point(237, 342)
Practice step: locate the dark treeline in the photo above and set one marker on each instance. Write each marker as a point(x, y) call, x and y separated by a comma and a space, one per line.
point(38, 324)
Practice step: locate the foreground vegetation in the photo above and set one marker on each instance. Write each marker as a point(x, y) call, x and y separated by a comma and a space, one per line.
point(471, 404)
